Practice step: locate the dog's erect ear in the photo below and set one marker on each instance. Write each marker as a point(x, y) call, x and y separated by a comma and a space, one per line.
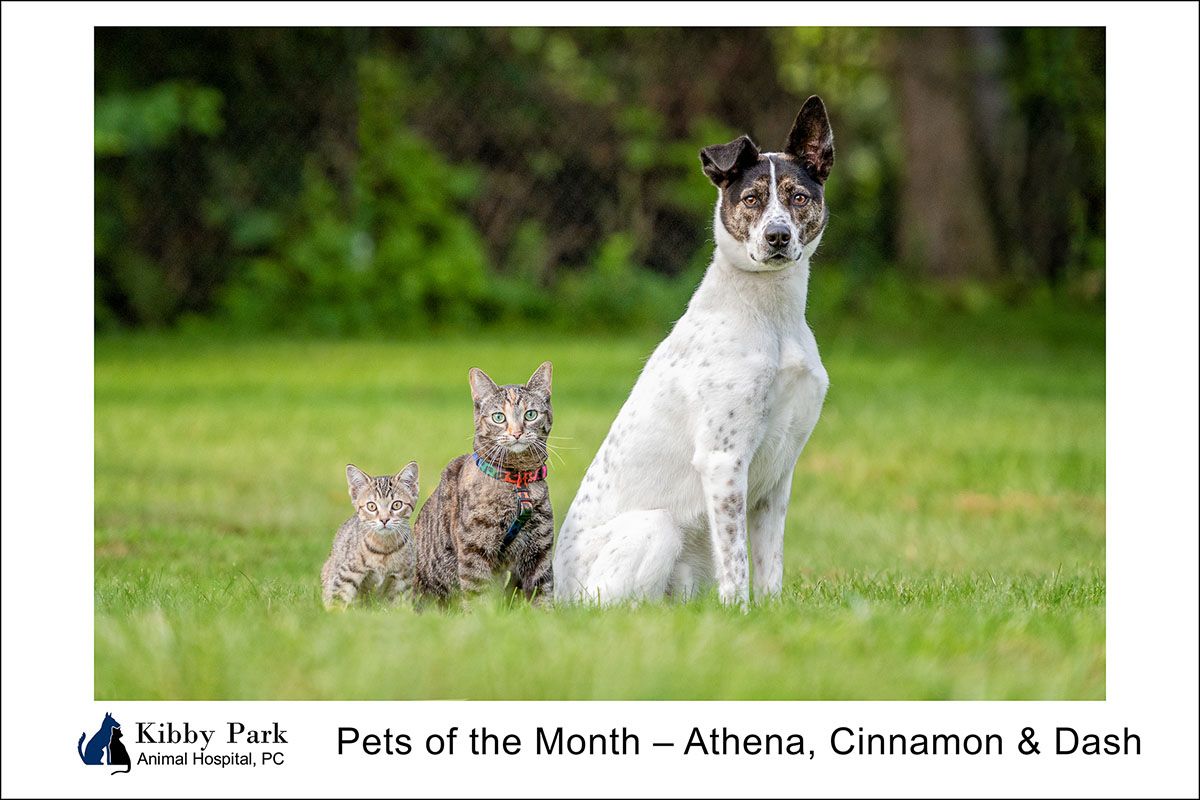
point(724, 162)
point(811, 139)
point(481, 385)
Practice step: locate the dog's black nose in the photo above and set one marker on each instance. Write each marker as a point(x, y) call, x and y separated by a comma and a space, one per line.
point(778, 235)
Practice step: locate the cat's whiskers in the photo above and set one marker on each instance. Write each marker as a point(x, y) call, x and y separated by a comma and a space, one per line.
point(554, 450)
point(548, 451)
point(492, 451)
point(555, 454)
point(562, 462)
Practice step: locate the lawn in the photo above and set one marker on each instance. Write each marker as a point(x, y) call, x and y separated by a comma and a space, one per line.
point(946, 536)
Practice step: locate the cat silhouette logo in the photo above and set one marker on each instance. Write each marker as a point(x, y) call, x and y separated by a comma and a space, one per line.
point(105, 747)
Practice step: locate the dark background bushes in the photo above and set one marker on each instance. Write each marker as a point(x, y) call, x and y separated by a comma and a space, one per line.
point(342, 181)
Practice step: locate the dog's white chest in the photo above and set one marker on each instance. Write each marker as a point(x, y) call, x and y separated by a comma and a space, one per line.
point(793, 405)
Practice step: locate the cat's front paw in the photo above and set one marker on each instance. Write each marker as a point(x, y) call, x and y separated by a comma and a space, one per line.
point(338, 603)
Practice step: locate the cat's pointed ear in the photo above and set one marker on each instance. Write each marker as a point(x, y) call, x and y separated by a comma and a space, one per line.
point(407, 478)
point(481, 385)
point(357, 479)
point(540, 380)
point(811, 139)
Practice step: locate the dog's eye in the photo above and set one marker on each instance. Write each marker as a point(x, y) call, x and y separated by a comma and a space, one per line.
point(750, 201)
point(396, 506)
point(372, 507)
point(799, 199)
point(498, 418)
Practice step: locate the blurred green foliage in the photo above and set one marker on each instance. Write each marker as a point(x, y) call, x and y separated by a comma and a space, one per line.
point(393, 249)
point(129, 122)
point(351, 180)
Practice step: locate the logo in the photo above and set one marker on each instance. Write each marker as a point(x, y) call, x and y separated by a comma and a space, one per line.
point(105, 747)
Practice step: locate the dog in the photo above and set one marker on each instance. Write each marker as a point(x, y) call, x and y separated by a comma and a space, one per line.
point(696, 471)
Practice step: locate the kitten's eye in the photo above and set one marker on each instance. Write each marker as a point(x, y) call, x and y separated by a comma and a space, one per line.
point(396, 506)
point(750, 201)
point(799, 199)
point(531, 414)
point(498, 418)
point(372, 507)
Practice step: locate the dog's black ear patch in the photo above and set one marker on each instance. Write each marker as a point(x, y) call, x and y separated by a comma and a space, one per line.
point(723, 162)
point(811, 139)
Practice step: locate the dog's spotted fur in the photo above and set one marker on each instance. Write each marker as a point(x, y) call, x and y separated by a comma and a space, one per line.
point(696, 470)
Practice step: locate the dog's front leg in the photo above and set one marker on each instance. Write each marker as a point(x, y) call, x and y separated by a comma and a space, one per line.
point(766, 521)
point(723, 475)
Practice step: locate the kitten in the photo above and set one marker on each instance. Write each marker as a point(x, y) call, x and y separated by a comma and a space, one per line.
point(491, 509)
point(117, 754)
point(373, 549)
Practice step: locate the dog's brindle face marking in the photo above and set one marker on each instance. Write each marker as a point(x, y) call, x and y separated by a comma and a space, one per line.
point(772, 205)
point(775, 191)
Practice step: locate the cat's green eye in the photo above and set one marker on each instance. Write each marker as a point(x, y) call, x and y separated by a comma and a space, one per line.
point(372, 507)
point(396, 506)
point(531, 414)
point(498, 418)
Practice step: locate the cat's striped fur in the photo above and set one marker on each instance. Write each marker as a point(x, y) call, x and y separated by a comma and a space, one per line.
point(461, 529)
point(373, 550)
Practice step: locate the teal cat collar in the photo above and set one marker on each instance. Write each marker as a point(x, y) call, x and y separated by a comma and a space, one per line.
point(515, 477)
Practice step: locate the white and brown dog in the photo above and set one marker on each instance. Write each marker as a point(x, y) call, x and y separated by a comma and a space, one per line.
point(699, 460)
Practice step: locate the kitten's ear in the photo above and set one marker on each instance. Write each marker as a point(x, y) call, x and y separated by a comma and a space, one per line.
point(407, 478)
point(481, 385)
point(811, 139)
point(357, 479)
point(540, 380)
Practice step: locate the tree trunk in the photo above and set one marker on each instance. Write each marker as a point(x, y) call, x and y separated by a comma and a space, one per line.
point(946, 230)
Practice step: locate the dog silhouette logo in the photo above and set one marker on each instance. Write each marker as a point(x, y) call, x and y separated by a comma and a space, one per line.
point(105, 747)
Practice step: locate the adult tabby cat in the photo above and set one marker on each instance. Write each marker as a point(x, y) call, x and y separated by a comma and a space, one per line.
point(373, 549)
point(491, 510)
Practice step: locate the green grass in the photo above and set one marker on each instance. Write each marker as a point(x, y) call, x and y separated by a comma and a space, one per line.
point(945, 537)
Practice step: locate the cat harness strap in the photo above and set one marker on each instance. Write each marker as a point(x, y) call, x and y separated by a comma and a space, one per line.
point(520, 479)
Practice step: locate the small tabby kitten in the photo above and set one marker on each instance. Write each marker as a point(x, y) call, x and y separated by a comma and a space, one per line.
point(373, 549)
point(491, 510)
